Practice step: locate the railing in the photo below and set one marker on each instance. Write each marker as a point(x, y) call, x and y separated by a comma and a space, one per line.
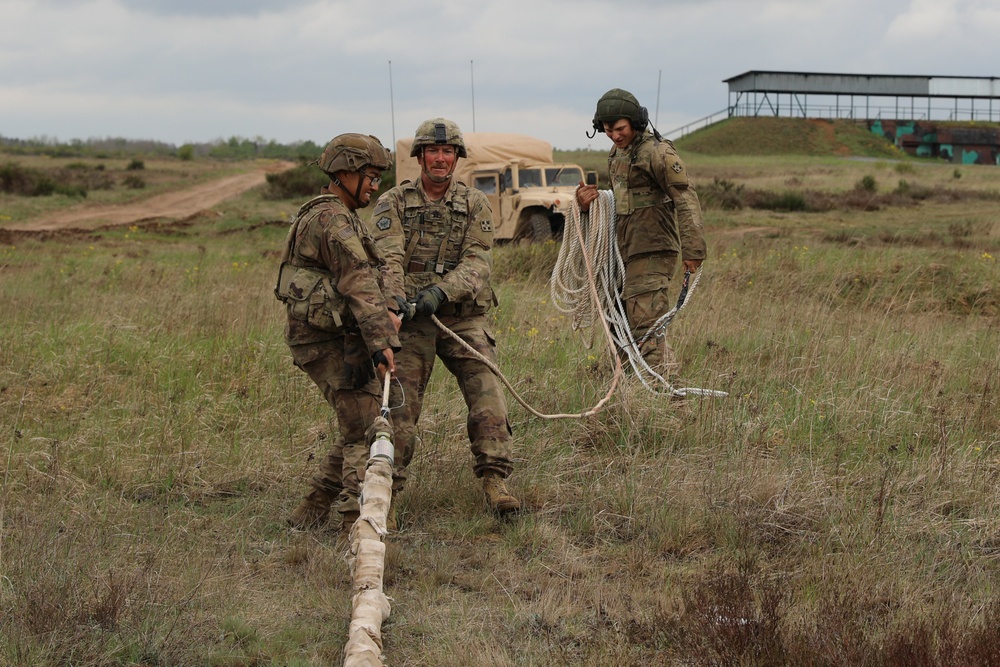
point(698, 124)
point(903, 111)
point(859, 112)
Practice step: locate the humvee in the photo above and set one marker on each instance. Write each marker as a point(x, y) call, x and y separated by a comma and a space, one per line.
point(529, 193)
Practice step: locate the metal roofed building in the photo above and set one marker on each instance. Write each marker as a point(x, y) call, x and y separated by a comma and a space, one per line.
point(864, 96)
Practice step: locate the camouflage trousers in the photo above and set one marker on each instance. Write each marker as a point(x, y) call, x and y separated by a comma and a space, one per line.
point(342, 470)
point(646, 297)
point(487, 425)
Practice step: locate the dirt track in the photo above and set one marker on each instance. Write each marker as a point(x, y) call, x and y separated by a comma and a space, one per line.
point(175, 205)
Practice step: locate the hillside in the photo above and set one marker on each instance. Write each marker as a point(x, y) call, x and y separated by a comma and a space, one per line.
point(787, 136)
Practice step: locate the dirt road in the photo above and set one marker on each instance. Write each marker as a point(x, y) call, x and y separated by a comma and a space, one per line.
point(175, 205)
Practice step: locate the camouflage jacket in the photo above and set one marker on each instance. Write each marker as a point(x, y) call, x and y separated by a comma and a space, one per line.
point(332, 238)
point(656, 204)
point(446, 243)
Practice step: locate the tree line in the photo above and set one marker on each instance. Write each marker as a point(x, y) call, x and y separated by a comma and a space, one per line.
point(234, 148)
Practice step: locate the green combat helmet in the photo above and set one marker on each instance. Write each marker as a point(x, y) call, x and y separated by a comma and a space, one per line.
point(616, 104)
point(438, 131)
point(354, 152)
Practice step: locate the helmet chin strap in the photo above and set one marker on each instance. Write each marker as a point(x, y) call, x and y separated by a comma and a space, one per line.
point(357, 191)
point(356, 197)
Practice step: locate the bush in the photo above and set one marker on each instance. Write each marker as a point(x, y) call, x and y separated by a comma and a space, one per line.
point(723, 194)
point(867, 184)
point(780, 201)
point(27, 182)
point(133, 182)
point(295, 183)
point(186, 152)
point(17, 180)
point(135, 165)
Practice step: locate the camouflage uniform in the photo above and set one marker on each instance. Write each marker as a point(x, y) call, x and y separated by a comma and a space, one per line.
point(331, 241)
point(447, 244)
point(658, 216)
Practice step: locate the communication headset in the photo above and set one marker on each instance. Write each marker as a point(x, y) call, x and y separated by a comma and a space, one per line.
point(638, 124)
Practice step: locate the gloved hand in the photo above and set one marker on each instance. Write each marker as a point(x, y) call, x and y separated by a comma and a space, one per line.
point(429, 300)
point(379, 359)
point(357, 363)
point(406, 309)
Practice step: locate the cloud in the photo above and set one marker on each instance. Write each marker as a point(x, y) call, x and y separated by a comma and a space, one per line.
point(186, 70)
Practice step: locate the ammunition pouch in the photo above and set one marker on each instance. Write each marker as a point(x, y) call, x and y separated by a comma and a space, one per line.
point(310, 297)
point(486, 300)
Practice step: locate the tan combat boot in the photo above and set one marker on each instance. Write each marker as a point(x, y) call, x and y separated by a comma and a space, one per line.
point(498, 497)
point(313, 510)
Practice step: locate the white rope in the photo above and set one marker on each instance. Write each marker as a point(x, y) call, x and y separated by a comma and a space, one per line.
point(590, 286)
point(597, 240)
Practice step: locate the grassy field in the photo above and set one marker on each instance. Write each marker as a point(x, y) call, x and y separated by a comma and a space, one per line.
point(839, 508)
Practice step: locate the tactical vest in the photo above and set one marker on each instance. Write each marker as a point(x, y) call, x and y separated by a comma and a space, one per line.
point(634, 188)
point(307, 288)
point(434, 232)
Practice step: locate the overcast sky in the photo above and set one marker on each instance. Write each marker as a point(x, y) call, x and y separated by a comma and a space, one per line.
point(201, 70)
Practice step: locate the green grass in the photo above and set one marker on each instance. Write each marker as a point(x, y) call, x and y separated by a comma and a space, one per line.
point(787, 136)
point(839, 508)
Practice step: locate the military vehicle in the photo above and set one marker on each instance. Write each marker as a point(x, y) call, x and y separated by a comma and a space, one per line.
point(530, 194)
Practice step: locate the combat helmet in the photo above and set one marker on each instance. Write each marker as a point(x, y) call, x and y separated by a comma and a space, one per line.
point(616, 104)
point(438, 131)
point(354, 152)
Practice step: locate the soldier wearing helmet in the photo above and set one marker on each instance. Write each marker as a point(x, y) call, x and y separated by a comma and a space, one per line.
point(338, 324)
point(658, 217)
point(436, 235)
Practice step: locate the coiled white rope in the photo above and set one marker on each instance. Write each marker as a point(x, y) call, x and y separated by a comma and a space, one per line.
point(595, 244)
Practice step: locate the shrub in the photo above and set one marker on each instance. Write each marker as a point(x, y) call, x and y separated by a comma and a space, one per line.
point(27, 182)
point(867, 184)
point(722, 194)
point(133, 182)
point(297, 182)
point(135, 165)
point(186, 152)
point(780, 201)
point(17, 180)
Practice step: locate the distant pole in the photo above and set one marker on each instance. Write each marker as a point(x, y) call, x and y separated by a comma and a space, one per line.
point(392, 108)
point(472, 76)
point(659, 76)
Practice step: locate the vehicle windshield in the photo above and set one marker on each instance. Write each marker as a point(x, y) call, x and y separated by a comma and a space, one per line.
point(530, 178)
point(563, 176)
point(487, 184)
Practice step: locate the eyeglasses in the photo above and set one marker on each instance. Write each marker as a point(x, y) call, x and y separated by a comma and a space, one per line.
point(376, 180)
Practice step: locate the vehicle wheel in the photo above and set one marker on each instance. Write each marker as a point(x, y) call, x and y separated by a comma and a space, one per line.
point(538, 228)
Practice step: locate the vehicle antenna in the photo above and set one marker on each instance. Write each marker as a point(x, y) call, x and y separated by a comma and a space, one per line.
point(472, 75)
point(392, 108)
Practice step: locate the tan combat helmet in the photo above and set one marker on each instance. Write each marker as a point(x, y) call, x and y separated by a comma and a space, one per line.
point(354, 152)
point(438, 131)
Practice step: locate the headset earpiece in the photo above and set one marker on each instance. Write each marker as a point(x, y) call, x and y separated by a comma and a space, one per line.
point(643, 120)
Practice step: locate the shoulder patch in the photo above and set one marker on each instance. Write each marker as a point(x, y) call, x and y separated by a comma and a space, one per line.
point(345, 233)
point(487, 225)
point(677, 167)
point(383, 224)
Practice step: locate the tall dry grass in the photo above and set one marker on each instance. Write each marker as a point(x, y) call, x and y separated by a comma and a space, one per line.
point(839, 508)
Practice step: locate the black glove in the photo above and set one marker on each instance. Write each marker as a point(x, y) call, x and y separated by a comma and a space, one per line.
point(357, 362)
point(429, 300)
point(406, 310)
point(379, 359)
